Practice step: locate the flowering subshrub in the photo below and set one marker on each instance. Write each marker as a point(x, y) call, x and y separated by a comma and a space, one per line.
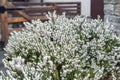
point(63, 49)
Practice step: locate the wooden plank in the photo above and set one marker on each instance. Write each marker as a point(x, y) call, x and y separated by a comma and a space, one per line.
point(21, 19)
point(64, 9)
point(31, 3)
point(16, 19)
point(41, 9)
point(44, 3)
point(59, 6)
point(35, 10)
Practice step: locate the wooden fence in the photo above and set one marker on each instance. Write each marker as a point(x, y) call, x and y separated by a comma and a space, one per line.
point(33, 11)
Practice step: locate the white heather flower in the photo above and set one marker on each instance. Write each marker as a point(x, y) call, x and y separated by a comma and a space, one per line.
point(51, 64)
point(62, 47)
point(18, 67)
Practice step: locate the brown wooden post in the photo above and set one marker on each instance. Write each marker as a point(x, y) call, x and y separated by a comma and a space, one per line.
point(97, 7)
point(4, 23)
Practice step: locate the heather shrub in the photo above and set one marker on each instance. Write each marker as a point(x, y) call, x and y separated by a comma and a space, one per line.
point(63, 49)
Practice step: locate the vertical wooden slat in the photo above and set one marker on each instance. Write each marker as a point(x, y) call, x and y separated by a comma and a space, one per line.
point(78, 8)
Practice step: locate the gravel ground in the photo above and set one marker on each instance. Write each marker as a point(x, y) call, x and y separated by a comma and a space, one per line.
point(1, 63)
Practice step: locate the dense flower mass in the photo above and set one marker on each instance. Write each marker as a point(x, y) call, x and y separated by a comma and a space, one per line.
point(63, 49)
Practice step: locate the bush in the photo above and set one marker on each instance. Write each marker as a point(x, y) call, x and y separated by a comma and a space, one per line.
point(63, 49)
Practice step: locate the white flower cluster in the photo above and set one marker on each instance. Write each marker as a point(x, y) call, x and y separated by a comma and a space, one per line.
point(63, 49)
